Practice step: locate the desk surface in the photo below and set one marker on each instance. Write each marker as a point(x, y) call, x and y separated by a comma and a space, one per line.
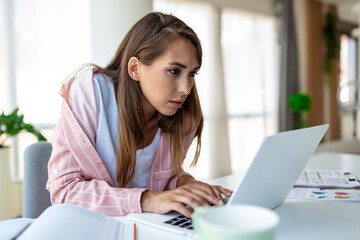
point(299, 219)
point(335, 161)
point(322, 220)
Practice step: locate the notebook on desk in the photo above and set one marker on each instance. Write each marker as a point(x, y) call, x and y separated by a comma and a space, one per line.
point(267, 182)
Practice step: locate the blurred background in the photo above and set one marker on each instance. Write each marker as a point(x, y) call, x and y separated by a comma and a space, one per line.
point(258, 54)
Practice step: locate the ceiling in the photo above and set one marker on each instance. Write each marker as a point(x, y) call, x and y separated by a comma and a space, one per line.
point(346, 9)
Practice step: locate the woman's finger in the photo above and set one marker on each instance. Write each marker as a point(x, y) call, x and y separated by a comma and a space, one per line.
point(217, 193)
point(225, 191)
point(218, 190)
point(190, 198)
point(210, 198)
point(177, 206)
point(212, 193)
point(203, 187)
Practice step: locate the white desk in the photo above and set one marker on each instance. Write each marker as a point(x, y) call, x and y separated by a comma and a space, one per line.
point(299, 220)
point(322, 220)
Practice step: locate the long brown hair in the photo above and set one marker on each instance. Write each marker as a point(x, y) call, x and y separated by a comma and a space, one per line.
point(147, 40)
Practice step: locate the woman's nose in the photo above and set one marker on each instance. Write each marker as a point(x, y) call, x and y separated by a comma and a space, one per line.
point(185, 85)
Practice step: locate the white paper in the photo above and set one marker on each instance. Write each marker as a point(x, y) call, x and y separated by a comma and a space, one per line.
point(69, 222)
point(11, 228)
point(327, 178)
point(321, 194)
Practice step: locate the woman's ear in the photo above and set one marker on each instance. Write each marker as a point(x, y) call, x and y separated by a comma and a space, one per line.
point(133, 68)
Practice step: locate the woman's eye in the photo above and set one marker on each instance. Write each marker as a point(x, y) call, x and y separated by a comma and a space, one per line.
point(174, 71)
point(193, 74)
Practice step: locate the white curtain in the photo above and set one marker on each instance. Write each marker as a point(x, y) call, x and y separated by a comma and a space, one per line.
point(217, 118)
point(249, 42)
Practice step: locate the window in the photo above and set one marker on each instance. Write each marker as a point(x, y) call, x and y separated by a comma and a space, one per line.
point(349, 86)
point(249, 52)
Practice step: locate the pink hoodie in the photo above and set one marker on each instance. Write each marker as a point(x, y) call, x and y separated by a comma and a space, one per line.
point(78, 176)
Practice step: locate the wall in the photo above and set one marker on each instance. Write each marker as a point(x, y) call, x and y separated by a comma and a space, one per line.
point(109, 24)
point(10, 191)
point(259, 6)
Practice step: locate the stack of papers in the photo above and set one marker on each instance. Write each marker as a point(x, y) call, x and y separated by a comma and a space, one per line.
point(326, 185)
point(327, 178)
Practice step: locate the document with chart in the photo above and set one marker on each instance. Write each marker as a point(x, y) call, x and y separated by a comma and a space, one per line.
point(325, 194)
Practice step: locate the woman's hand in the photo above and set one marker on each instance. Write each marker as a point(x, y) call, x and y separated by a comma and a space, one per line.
point(191, 192)
point(213, 190)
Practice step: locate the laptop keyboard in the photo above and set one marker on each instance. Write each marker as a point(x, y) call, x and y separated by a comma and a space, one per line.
point(185, 222)
point(181, 221)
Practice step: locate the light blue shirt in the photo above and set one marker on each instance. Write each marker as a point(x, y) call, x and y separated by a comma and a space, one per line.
point(107, 135)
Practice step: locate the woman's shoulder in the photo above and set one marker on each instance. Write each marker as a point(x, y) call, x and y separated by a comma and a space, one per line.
point(78, 92)
point(102, 80)
point(82, 81)
point(78, 80)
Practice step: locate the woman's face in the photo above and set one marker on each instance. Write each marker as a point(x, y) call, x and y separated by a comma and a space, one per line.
point(169, 79)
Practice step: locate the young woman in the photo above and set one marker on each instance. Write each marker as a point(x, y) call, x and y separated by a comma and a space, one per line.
point(124, 130)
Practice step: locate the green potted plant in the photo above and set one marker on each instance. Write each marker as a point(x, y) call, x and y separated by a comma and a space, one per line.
point(300, 103)
point(13, 124)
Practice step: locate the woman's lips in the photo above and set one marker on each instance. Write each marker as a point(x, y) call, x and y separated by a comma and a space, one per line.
point(176, 104)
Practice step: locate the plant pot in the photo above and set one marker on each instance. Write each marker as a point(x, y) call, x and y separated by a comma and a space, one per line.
point(10, 192)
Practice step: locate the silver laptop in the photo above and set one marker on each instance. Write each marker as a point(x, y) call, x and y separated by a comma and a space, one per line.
point(267, 182)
